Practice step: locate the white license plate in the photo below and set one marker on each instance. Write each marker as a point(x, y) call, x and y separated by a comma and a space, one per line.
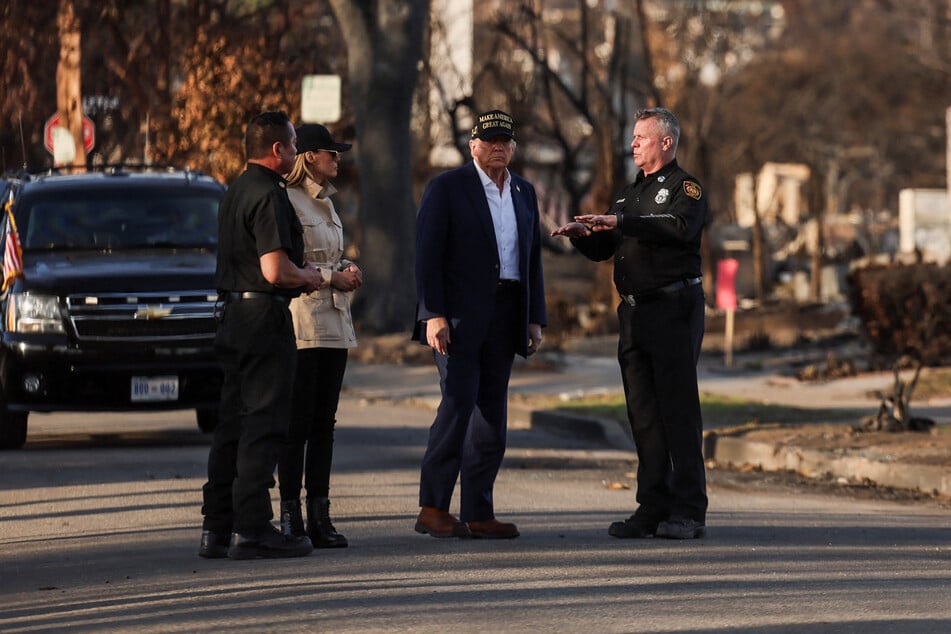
point(154, 388)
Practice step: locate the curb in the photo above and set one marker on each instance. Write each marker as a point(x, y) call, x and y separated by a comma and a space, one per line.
point(736, 452)
point(597, 430)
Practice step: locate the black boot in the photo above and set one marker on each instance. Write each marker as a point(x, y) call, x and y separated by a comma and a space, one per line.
point(292, 522)
point(321, 530)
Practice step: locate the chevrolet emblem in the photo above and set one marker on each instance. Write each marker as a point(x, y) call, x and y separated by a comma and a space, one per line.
point(152, 312)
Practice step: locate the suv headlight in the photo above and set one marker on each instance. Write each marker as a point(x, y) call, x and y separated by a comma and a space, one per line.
point(28, 313)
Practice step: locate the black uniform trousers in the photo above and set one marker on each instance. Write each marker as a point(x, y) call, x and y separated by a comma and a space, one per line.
point(256, 349)
point(308, 450)
point(467, 437)
point(658, 350)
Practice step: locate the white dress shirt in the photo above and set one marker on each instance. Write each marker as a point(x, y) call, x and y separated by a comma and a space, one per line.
point(503, 220)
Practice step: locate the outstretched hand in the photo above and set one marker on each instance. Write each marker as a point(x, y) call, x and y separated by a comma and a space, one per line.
point(572, 230)
point(586, 224)
point(598, 222)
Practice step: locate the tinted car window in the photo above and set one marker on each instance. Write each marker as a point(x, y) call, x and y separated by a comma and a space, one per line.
point(115, 219)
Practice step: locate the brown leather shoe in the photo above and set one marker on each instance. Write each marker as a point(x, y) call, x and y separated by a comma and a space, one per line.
point(438, 523)
point(493, 529)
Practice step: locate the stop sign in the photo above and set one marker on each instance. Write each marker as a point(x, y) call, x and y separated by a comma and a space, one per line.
point(89, 133)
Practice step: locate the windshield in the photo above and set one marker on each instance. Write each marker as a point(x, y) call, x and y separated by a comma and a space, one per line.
point(132, 218)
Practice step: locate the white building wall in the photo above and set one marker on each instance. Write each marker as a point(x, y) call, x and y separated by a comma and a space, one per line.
point(923, 223)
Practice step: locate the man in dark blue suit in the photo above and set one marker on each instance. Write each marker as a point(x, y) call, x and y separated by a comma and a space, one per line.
point(481, 300)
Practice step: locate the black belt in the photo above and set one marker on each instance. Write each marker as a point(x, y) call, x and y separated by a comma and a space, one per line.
point(660, 293)
point(509, 283)
point(238, 295)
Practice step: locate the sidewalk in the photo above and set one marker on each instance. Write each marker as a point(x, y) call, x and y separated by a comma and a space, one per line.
point(589, 367)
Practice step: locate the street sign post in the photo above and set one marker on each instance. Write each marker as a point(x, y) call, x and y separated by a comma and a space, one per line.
point(726, 300)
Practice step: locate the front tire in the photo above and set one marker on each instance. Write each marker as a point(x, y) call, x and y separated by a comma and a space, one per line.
point(12, 429)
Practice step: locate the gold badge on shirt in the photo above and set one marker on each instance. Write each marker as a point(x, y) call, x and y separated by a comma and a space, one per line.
point(692, 189)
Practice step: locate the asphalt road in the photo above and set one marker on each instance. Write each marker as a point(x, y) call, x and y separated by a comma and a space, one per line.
point(100, 517)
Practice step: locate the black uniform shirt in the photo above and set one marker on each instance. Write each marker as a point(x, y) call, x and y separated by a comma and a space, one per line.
point(256, 217)
point(660, 220)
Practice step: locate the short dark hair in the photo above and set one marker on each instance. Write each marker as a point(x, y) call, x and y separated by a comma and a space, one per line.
point(264, 130)
point(667, 120)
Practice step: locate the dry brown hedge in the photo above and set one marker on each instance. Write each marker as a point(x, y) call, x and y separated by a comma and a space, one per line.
point(904, 309)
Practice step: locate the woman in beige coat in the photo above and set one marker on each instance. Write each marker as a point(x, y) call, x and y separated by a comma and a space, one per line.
point(324, 330)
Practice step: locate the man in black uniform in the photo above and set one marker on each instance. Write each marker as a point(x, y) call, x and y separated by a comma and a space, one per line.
point(653, 231)
point(260, 268)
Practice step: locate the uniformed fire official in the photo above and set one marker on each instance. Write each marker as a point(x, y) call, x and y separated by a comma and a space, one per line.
point(260, 268)
point(653, 231)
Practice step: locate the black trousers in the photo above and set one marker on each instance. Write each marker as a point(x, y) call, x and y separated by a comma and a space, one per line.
point(256, 350)
point(308, 449)
point(467, 437)
point(658, 350)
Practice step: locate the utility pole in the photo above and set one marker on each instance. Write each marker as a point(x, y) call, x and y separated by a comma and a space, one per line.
point(833, 176)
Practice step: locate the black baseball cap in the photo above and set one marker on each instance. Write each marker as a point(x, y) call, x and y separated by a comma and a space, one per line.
point(313, 136)
point(493, 123)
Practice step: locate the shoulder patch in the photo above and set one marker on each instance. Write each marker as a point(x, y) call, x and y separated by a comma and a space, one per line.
point(692, 189)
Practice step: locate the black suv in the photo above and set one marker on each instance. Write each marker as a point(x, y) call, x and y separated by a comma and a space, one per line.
point(114, 309)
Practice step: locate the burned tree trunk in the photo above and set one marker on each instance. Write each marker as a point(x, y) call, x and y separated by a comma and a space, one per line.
point(894, 412)
point(68, 82)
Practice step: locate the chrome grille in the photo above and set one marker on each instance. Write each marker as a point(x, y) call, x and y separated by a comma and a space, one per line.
point(143, 317)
